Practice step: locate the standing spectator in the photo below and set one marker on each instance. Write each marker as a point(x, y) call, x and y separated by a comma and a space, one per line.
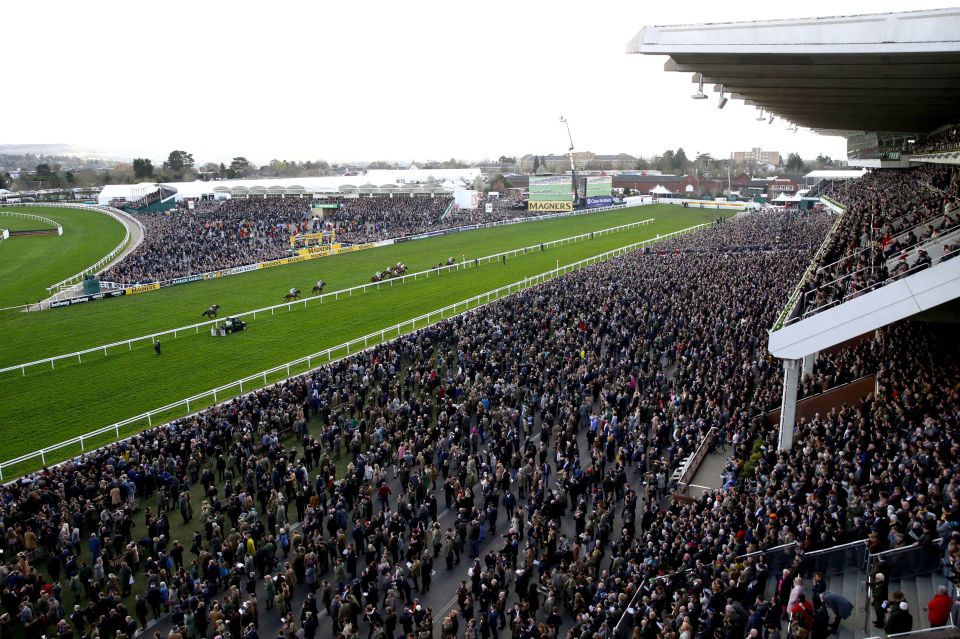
point(938, 608)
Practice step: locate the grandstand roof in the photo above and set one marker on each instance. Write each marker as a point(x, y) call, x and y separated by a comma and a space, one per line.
point(381, 181)
point(890, 72)
point(837, 174)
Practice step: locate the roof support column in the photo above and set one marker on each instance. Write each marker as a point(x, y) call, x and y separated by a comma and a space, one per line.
point(788, 407)
point(808, 362)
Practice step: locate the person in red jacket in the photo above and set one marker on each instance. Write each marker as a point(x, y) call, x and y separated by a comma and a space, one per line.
point(938, 609)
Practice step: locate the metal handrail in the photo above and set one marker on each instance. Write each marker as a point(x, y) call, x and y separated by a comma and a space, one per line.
point(795, 296)
point(871, 287)
point(757, 553)
point(335, 294)
point(342, 350)
point(949, 630)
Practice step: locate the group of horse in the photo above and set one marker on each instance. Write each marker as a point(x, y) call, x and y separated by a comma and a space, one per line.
point(294, 293)
point(396, 270)
point(391, 271)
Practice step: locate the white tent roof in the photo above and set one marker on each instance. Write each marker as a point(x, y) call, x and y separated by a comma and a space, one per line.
point(660, 190)
point(783, 197)
point(393, 180)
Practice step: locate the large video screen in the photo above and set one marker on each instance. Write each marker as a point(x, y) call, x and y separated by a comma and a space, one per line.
point(599, 191)
point(551, 193)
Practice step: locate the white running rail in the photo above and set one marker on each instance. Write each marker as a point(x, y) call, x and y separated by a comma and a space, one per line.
point(103, 348)
point(30, 216)
point(258, 380)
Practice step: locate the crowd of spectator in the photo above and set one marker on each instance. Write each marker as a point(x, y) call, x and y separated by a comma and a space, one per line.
point(548, 423)
point(216, 235)
point(371, 219)
point(213, 236)
point(511, 205)
point(948, 139)
point(892, 217)
point(222, 234)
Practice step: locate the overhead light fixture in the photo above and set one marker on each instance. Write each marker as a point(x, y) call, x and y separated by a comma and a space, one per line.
point(760, 117)
point(700, 95)
point(723, 99)
point(770, 121)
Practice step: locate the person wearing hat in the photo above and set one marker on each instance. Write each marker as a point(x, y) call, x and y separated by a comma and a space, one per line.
point(900, 619)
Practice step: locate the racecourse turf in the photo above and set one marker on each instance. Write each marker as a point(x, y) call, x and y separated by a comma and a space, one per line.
point(75, 398)
point(29, 264)
point(33, 336)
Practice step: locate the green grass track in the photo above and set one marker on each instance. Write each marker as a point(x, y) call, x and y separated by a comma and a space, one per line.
point(48, 406)
point(33, 336)
point(28, 265)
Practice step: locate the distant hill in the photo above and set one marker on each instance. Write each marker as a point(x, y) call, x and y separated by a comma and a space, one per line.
point(65, 156)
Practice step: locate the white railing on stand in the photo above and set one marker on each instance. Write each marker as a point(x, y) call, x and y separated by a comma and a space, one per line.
point(151, 337)
point(326, 356)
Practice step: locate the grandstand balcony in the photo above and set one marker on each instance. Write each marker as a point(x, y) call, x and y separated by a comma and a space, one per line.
point(924, 282)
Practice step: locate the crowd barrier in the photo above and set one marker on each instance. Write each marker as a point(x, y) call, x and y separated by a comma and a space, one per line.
point(174, 410)
point(466, 264)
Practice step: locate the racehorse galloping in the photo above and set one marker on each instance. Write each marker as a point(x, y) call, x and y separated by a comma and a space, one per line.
point(211, 312)
point(318, 287)
point(294, 294)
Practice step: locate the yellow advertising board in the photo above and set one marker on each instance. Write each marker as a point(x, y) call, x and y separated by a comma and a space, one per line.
point(550, 207)
point(143, 288)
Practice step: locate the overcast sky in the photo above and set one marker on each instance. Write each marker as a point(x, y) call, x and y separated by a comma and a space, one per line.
point(365, 80)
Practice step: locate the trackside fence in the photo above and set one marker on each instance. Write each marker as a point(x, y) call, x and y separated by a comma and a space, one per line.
point(104, 349)
point(131, 426)
point(31, 216)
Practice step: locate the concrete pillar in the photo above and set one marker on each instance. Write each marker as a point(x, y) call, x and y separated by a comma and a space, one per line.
point(788, 407)
point(808, 362)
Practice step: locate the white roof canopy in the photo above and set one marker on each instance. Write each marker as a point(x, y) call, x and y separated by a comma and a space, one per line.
point(889, 72)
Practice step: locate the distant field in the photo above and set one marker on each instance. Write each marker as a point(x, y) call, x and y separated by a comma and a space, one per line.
point(103, 390)
point(28, 265)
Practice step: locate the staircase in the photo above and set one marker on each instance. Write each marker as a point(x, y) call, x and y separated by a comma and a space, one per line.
point(845, 570)
point(852, 585)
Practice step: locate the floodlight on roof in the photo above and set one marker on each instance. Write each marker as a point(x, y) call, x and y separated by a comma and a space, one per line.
point(700, 95)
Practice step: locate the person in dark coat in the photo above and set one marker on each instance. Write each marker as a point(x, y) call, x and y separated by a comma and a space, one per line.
point(839, 605)
point(878, 586)
point(900, 619)
point(821, 624)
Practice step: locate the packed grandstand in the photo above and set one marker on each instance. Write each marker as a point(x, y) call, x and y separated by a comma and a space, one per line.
point(201, 236)
point(549, 427)
point(528, 458)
